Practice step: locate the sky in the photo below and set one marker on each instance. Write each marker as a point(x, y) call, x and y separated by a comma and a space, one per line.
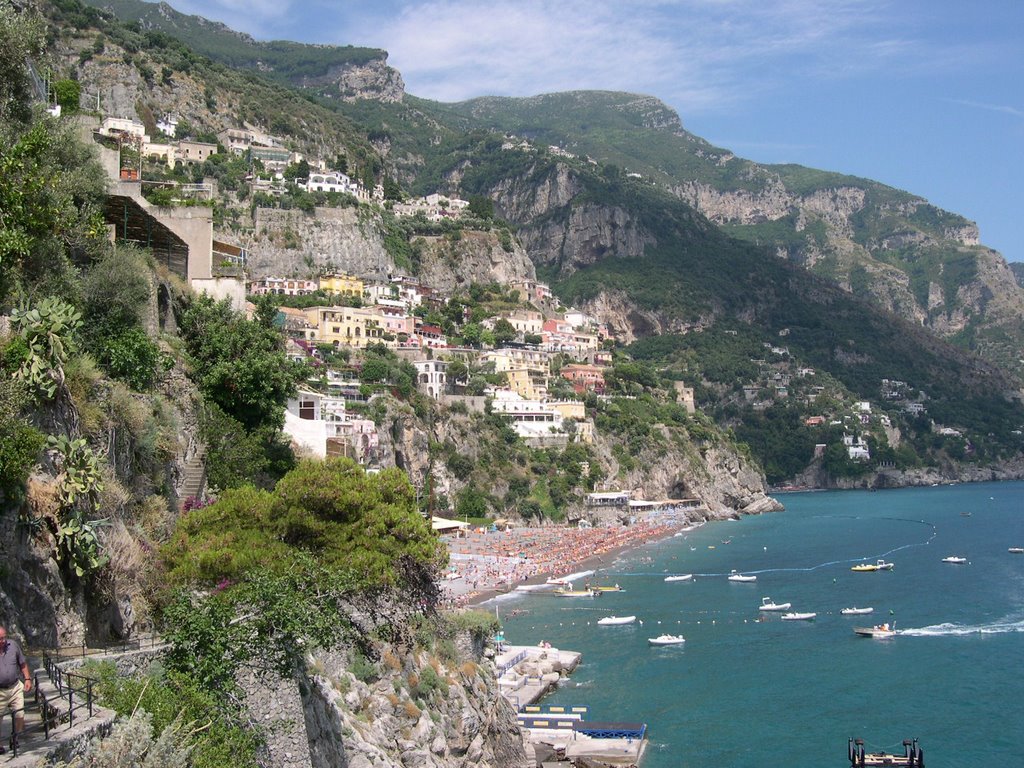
point(922, 95)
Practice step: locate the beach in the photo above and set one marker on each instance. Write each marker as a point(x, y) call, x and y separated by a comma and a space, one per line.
point(485, 564)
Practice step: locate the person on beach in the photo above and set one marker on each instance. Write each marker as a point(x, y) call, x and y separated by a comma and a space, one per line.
point(15, 681)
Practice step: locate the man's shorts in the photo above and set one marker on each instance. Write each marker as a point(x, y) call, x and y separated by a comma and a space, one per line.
point(13, 699)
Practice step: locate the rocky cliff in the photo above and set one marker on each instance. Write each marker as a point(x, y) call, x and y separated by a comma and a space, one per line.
point(373, 79)
point(296, 244)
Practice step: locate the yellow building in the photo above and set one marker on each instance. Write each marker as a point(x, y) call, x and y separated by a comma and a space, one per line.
point(526, 384)
point(345, 285)
point(349, 326)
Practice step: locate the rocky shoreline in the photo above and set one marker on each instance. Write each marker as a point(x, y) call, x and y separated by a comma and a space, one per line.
point(814, 478)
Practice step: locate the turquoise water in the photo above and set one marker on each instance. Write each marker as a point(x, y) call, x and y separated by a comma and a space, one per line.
point(742, 692)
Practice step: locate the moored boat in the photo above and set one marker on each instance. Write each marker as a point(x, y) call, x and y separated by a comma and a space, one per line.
point(607, 588)
point(736, 576)
point(613, 620)
point(955, 559)
point(768, 605)
point(577, 593)
point(558, 581)
point(798, 616)
point(877, 631)
point(881, 565)
point(666, 640)
point(855, 611)
point(680, 577)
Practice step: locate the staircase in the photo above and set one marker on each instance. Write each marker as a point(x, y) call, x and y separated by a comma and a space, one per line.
point(60, 713)
point(194, 477)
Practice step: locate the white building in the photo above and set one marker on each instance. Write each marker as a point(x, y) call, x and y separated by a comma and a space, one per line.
point(431, 377)
point(311, 419)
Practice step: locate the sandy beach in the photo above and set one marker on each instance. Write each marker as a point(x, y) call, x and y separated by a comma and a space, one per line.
point(488, 564)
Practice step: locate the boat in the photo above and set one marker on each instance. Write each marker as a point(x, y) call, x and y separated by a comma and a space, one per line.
point(666, 640)
point(877, 631)
point(881, 565)
point(798, 616)
point(856, 611)
point(608, 621)
point(558, 581)
point(1016, 550)
point(681, 577)
point(609, 588)
point(768, 605)
point(955, 559)
point(736, 576)
point(577, 593)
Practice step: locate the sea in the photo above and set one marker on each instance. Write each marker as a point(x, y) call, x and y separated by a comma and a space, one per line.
point(748, 689)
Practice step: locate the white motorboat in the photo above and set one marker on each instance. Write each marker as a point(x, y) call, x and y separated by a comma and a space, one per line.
point(855, 611)
point(681, 577)
point(878, 631)
point(1016, 550)
point(798, 616)
point(881, 565)
point(666, 640)
point(578, 593)
point(613, 620)
point(955, 559)
point(558, 581)
point(736, 576)
point(768, 605)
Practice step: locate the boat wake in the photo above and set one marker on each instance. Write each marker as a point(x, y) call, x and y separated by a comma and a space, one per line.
point(959, 630)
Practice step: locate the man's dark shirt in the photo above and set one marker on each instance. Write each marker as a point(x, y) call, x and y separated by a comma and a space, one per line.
point(11, 662)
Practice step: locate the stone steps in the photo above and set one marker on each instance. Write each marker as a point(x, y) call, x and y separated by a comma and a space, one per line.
point(66, 728)
point(194, 477)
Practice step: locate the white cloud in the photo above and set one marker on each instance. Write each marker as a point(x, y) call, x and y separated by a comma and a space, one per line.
point(1001, 108)
point(697, 54)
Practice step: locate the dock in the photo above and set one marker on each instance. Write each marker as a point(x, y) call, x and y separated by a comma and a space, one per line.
point(525, 674)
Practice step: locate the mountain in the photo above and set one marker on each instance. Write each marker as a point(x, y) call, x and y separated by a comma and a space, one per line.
point(347, 69)
point(890, 247)
point(672, 240)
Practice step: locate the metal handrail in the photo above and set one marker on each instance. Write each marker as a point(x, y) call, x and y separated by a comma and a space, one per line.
point(83, 650)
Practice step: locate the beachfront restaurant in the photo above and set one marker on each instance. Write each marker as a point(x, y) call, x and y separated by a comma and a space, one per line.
point(443, 525)
point(608, 498)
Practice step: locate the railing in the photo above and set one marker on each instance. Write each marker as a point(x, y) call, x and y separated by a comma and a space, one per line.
point(66, 652)
point(70, 684)
point(48, 718)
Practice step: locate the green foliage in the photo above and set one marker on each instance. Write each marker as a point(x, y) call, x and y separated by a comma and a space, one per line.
point(130, 744)
point(22, 37)
point(79, 486)
point(481, 206)
point(270, 615)
point(219, 736)
point(50, 192)
point(20, 443)
point(48, 329)
point(67, 93)
point(429, 684)
point(481, 624)
point(236, 456)
point(365, 524)
point(238, 364)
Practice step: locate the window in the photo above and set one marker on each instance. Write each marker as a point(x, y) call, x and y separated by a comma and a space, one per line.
point(307, 409)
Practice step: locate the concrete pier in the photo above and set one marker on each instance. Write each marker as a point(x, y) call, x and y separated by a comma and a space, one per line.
point(525, 674)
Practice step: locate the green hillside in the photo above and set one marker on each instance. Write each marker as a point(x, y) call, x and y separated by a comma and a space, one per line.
point(281, 60)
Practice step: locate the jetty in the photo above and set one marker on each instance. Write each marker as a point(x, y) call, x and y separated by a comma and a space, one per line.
point(525, 674)
point(912, 757)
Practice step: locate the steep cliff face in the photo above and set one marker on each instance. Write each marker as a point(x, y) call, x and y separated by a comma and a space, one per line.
point(475, 257)
point(674, 467)
point(296, 244)
point(369, 80)
point(881, 250)
point(416, 709)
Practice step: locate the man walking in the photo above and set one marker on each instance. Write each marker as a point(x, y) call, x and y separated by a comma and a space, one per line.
point(15, 680)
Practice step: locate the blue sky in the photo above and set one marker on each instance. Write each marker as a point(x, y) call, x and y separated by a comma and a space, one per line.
point(923, 95)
